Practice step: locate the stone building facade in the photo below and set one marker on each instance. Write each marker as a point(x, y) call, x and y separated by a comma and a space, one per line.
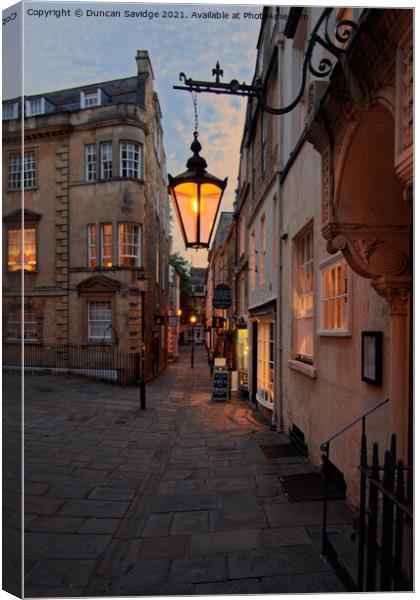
point(96, 217)
point(324, 196)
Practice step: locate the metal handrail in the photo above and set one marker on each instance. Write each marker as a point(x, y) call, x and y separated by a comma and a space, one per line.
point(325, 448)
point(324, 445)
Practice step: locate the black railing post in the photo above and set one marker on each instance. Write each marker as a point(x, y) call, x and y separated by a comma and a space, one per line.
point(387, 523)
point(325, 459)
point(372, 522)
point(399, 530)
point(142, 383)
point(362, 509)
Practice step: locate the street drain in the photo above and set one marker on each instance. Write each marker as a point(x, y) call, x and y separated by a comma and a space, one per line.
point(280, 450)
point(308, 486)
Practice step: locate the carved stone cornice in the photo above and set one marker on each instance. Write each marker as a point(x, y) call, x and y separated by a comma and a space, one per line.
point(396, 291)
point(370, 251)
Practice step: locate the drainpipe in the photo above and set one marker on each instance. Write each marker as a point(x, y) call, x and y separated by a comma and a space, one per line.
point(278, 405)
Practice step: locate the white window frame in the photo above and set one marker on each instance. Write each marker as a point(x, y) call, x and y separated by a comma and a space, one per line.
point(106, 160)
point(31, 109)
point(108, 245)
point(103, 316)
point(303, 294)
point(324, 266)
point(263, 247)
point(252, 261)
point(10, 111)
point(130, 241)
point(266, 341)
point(132, 164)
point(92, 245)
point(86, 97)
point(90, 162)
point(14, 175)
point(30, 326)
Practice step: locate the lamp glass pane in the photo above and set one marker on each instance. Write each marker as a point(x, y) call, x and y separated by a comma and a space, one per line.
point(187, 198)
point(210, 198)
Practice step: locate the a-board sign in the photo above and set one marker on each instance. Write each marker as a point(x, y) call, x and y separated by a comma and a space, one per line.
point(222, 297)
point(220, 385)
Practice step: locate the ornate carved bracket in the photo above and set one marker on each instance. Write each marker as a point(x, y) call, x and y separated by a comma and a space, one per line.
point(396, 291)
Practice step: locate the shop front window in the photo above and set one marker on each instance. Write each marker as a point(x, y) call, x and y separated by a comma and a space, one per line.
point(242, 354)
point(265, 363)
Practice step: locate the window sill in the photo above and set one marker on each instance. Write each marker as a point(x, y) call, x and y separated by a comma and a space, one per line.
point(302, 367)
point(268, 405)
point(32, 188)
point(334, 333)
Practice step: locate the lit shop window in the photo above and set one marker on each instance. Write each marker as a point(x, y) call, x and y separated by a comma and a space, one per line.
point(21, 253)
point(99, 321)
point(106, 160)
point(92, 258)
point(106, 244)
point(335, 297)
point(265, 363)
point(129, 244)
point(15, 171)
point(304, 299)
point(90, 162)
point(15, 322)
point(242, 352)
point(130, 160)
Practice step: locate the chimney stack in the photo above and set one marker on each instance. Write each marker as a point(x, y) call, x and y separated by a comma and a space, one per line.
point(143, 63)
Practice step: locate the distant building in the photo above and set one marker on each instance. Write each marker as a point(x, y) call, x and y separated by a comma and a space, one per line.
point(174, 313)
point(96, 217)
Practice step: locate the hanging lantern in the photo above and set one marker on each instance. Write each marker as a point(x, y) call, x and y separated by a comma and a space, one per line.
point(196, 196)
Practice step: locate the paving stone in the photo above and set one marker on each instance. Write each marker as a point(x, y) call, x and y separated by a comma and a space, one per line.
point(163, 547)
point(305, 583)
point(198, 570)
point(69, 545)
point(35, 488)
point(238, 586)
point(94, 508)
point(34, 543)
point(55, 524)
point(90, 473)
point(192, 501)
point(158, 525)
point(98, 526)
point(285, 536)
point(237, 499)
point(242, 518)
point(41, 505)
point(68, 574)
point(190, 522)
point(106, 493)
point(276, 561)
point(185, 486)
point(306, 513)
point(69, 491)
point(173, 473)
point(150, 572)
point(224, 541)
point(231, 483)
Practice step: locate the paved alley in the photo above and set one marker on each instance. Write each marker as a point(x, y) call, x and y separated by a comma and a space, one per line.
point(177, 499)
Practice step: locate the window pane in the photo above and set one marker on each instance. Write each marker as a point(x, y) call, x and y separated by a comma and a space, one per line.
point(106, 244)
point(99, 321)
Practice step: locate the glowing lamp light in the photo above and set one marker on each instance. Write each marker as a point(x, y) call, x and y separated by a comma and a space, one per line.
point(196, 195)
point(193, 319)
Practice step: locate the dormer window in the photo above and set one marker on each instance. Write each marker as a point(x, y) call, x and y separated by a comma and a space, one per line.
point(92, 98)
point(38, 106)
point(10, 111)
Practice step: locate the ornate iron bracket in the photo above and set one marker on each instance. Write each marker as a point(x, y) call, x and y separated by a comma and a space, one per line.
point(339, 45)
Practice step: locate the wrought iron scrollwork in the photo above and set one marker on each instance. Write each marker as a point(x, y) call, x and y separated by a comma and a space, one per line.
point(338, 45)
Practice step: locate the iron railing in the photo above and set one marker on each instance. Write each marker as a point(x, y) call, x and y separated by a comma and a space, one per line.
point(100, 361)
point(393, 507)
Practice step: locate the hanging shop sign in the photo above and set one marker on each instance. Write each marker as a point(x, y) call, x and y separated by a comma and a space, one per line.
point(172, 321)
point(222, 297)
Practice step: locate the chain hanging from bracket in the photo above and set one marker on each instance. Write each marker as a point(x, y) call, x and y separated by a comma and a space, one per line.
point(194, 101)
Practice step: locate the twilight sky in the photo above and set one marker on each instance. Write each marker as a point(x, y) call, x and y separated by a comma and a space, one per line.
point(67, 51)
